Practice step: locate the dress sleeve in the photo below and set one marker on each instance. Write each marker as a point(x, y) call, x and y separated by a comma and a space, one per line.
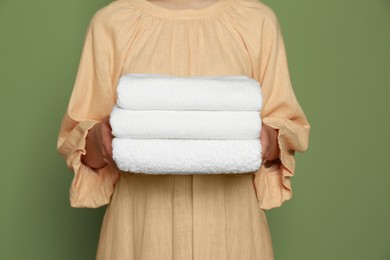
point(92, 98)
point(282, 112)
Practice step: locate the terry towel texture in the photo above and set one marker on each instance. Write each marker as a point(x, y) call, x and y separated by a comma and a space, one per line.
point(160, 92)
point(127, 123)
point(165, 124)
point(187, 156)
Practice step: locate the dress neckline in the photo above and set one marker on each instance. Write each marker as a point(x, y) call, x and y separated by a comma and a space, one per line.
point(187, 13)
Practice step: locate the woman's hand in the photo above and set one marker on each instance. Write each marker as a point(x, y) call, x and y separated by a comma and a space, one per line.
point(269, 143)
point(99, 145)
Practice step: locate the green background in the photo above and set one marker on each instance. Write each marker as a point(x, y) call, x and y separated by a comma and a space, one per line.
point(339, 59)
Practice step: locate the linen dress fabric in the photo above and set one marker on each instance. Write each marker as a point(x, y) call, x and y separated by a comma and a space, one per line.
point(200, 216)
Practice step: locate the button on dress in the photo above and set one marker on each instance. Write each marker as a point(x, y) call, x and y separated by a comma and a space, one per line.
point(182, 217)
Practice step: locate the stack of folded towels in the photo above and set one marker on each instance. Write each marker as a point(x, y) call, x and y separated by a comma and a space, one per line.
point(164, 124)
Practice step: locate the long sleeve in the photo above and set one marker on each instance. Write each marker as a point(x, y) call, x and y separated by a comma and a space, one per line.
point(92, 98)
point(282, 112)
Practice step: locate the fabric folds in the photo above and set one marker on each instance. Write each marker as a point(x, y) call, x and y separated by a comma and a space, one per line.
point(186, 156)
point(123, 39)
point(225, 92)
point(191, 125)
point(126, 123)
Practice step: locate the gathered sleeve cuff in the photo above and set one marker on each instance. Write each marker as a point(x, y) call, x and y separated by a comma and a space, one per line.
point(92, 98)
point(90, 188)
point(281, 111)
point(273, 180)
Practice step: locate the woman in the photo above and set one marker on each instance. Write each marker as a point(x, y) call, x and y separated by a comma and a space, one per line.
point(216, 216)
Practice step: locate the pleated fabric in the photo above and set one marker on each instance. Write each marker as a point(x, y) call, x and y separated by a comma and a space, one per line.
point(184, 217)
point(197, 217)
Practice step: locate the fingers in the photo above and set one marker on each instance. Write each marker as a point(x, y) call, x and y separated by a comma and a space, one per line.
point(107, 154)
point(106, 141)
point(264, 140)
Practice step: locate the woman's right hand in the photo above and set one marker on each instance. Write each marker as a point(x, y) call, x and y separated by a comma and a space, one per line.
point(99, 145)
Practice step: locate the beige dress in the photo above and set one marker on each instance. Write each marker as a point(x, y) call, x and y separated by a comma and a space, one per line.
point(181, 217)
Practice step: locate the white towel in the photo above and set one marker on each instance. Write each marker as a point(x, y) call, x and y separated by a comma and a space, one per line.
point(185, 124)
point(167, 92)
point(186, 156)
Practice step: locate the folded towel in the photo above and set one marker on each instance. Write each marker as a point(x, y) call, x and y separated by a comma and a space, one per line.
point(186, 156)
point(167, 92)
point(185, 124)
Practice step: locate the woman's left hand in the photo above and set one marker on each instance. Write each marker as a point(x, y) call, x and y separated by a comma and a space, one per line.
point(269, 143)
